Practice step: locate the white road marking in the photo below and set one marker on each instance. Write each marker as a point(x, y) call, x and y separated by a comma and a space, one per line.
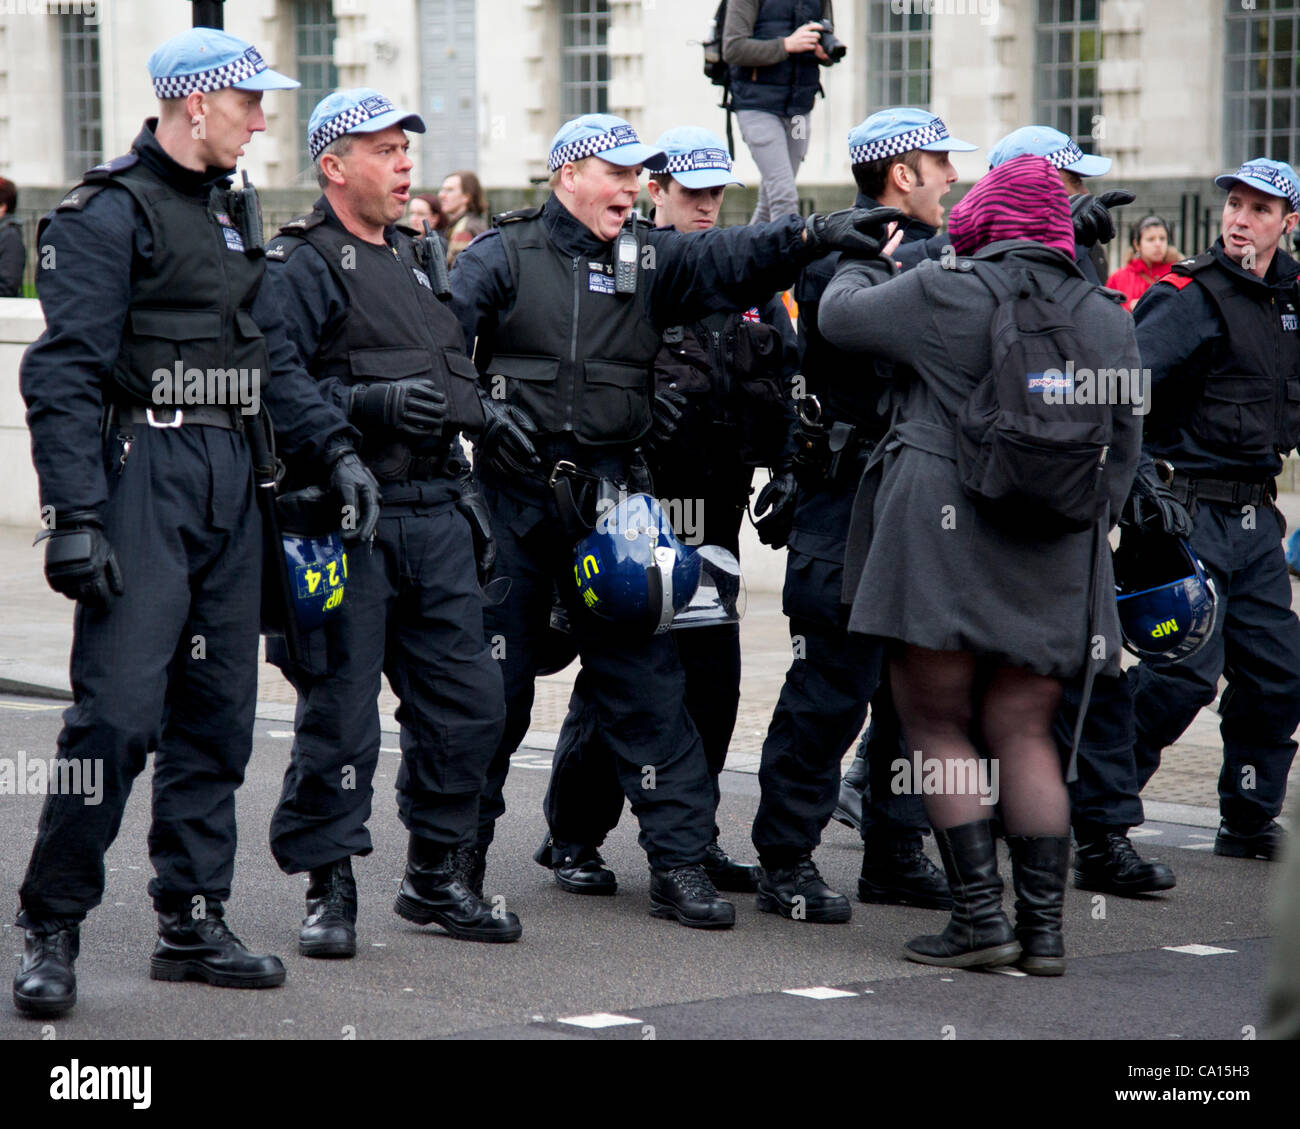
point(1143, 833)
point(1197, 846)
point(818, 993)
point(280, 734)
point(1198, 950)
point(598, 1019)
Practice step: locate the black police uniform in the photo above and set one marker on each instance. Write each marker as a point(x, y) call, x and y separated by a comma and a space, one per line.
point(735, 371)
point(1223, 347)
point(361, 313)
point(835, 674)
point(146, 274)
point(537, 296)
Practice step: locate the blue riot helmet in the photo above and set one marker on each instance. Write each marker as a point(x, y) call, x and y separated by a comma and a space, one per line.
point(316, 562)
point(1167, 604)
point(632, 570)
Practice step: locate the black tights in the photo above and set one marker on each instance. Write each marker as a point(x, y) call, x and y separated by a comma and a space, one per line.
point(935, 695)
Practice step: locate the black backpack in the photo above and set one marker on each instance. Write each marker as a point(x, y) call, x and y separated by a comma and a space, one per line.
point(1030, 452)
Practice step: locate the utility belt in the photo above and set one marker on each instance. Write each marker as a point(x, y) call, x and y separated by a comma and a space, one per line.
point(1188, 490)
point(581, 495)
point(827, 454)
point(395, 463)
point(164, 419)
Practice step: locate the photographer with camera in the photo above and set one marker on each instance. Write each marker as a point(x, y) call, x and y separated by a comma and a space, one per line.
point(774, 48)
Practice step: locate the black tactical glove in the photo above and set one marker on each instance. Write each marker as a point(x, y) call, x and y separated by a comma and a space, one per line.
point(504, 445)
point(774, 527)
point(667, 413)
point(472, 505)
point(79, 561)
point(358, 489)
point(1152, 507)
point(860, 232)
point(415, 406)
point(1091, 216)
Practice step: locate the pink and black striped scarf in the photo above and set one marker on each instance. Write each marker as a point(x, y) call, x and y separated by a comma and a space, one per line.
point(1021, 199)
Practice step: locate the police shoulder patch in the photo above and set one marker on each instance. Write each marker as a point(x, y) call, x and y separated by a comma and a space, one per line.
point(281, 247)
point(113, 167)
point(79, 197)
point(1187, 267)
point(1177, 281)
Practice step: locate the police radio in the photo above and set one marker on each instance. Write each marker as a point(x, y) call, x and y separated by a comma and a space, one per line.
point(625, 258)
point(432, 256)
point(246, 213)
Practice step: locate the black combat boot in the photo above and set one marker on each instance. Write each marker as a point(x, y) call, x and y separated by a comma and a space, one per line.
point(978, 933)
point(431, 892)
point(469, 864)
point(330, 927)
point(1040, 865)
point(577, 869)
point(728, 874)
point(853, 787)
point(689, 895)
point(46, 985)
point(896, 871)
point(205, 949)
point(798, 892)
point(1263, 842)
point(1106, 861)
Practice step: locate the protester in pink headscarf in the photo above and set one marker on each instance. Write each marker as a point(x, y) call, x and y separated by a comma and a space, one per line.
point(987, 620)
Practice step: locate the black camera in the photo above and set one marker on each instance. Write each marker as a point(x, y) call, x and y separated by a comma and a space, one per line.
point(830, 44)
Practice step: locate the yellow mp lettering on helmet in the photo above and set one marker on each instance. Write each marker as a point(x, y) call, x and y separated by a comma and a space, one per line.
point(590, 566)
point(1169, 627)
point(590, 598)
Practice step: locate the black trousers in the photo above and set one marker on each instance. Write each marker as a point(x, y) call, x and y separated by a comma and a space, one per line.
point(1256, 645)
point(632, 692)
point(170, 668)
point(823, 702)
point(1105, 795)
point(412, 610)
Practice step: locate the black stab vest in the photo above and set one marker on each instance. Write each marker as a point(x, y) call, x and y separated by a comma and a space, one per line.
point(576, 358)
point(395, 329)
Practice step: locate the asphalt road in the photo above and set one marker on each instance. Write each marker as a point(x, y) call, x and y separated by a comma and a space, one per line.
point(602, 968)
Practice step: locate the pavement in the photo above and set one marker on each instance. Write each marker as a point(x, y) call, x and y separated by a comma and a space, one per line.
point(1187, 965)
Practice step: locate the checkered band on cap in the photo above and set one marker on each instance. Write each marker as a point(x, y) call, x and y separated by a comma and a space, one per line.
point(1277, 178)
point(935, 130)
point(590, 146)
point(346, 122)
point(699, 159)
point(1067, 154)
point(218, 78)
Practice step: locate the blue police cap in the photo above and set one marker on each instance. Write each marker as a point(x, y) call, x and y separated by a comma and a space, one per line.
point(696, 157)
point(204, 59)
point(1277, 178)
point(900, 130)
point(605, 136)
point(359, 110)
point(1042, 141)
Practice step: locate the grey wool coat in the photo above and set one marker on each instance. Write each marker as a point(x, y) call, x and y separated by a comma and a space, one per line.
point(922, 565)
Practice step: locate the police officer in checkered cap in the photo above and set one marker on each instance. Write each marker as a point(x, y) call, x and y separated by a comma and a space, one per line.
point(360, 306)
point(564, 334)
point(146, 482)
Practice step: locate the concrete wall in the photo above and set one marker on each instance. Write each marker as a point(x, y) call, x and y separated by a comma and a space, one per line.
point(20, 324)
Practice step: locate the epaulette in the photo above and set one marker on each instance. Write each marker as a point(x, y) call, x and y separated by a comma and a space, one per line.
point(1187, 267)
point(515, 216)
point(79, 197)
point(303, 223)
point(1177, 281)
point(110, 169)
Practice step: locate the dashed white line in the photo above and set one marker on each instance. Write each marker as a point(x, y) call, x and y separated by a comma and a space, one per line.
point(598, 1019)
point(1197, 950)
point(819, 993)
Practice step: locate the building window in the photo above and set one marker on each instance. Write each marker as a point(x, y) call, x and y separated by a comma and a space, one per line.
point(314, 32)
point(1068, 44)
point(585, 75)
point(83, 134)
point(1260, 84)
point(898, 56)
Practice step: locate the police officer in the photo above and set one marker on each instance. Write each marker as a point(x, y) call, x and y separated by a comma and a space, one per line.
point(155, 272)
point(730, 375)
point(567, 341)
point(1219, 335)
point(359, 304)
point(899, 160)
